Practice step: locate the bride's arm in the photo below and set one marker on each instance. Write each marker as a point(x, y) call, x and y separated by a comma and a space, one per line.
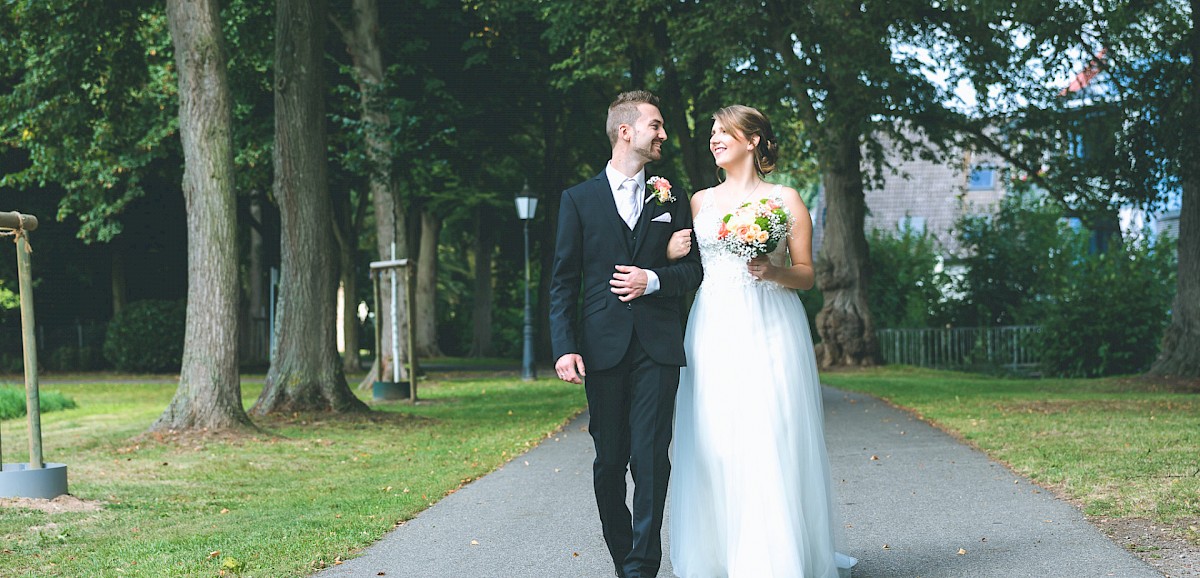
point(683, 240)
point(800, 275)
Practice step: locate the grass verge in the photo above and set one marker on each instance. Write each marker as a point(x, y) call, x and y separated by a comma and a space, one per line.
point(1121, 448)
point(314, 489)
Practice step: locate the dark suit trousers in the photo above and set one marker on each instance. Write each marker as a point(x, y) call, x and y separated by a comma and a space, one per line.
point(632, 407)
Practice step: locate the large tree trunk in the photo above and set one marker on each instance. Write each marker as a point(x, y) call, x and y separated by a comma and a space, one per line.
point(1180, 354)
point(844, 323)
point(481, 314)
point(427, 270)
point(362, 40)
point(305, 374)
point(210, 393)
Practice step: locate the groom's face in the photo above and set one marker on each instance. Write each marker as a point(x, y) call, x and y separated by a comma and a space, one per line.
point(648, 133)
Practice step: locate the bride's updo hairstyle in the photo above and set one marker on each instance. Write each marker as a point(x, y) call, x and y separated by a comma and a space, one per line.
point(748, 122)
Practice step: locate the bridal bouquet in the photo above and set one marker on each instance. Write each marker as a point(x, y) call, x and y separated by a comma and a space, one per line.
point(755, 228)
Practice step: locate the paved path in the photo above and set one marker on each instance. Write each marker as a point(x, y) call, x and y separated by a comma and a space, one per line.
point(925, 497)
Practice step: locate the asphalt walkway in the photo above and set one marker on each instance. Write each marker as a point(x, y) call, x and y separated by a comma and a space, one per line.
point(915, 502)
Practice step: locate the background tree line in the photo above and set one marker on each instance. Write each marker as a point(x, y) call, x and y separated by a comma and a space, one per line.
point(314, 136)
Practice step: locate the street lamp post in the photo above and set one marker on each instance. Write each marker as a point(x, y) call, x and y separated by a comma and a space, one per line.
point(526, 207)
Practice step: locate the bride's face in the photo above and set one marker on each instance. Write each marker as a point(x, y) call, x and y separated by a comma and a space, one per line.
point(728, 149)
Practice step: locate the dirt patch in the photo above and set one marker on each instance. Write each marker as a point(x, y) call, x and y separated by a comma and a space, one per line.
point(59, 505)
point(1164, 384)
point(1140, 406)
point(1173, 549)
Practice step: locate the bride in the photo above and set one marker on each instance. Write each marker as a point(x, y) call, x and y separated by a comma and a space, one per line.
point(751, 493)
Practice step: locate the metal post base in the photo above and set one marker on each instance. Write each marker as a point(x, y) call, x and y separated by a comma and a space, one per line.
point(389, 391)
point(18, 481)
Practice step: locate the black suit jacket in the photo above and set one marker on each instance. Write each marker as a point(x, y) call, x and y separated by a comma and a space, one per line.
point(592, 241)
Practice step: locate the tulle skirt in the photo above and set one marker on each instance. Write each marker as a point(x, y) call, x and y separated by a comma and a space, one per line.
point(751, 493)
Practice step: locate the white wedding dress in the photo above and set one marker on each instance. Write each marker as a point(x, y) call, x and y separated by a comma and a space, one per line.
point(751, 493)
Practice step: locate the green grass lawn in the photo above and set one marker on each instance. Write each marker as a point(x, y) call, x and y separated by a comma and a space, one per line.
point(1121, 448)
point(284, 503)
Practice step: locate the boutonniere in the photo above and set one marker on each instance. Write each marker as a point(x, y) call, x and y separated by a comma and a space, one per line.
point(660, 190)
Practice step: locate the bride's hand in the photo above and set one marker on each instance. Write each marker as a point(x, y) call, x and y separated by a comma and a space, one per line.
point(679, 245)
point(759, 267)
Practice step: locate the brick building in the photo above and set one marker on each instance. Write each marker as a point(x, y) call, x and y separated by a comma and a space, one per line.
point(926, 195)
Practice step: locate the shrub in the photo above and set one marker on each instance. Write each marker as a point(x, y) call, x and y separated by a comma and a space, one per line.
point(813, 301)
point(1109, 311)
point(12, 402)
point(906, 284)
point(1012, 262)
point(147, 336)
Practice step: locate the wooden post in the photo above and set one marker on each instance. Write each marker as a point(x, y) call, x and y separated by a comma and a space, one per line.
point(410, 280)
point(380, 358)
point(20, 225)
point(408, 265)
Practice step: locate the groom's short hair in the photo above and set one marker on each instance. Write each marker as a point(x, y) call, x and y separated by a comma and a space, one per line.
point(624, 110)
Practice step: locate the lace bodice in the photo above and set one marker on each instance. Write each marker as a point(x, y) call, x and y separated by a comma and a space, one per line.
point(720, 265)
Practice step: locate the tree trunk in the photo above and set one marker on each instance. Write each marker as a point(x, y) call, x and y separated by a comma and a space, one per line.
point(481, 314)
point(427, 267)
point(1180, 354)
point(693, 136)
point(255, 327)
point(544, 228)
point(118, 278)
point(347, 237)
point(350, 333)
point(362, 40)
point(844, 323)
point(210, 393)
point(305, 374)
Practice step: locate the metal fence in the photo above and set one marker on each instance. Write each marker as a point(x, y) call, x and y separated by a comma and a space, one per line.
point(65, 346)
point(79, 346)
point(1012, 347)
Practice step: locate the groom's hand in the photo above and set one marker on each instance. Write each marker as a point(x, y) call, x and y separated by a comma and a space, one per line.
point(629, 282)
point(570, 368)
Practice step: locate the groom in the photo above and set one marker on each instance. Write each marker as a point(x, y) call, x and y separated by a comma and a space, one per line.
point(612, 248)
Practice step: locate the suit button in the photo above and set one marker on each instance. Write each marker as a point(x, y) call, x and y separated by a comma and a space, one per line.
point(629, 306)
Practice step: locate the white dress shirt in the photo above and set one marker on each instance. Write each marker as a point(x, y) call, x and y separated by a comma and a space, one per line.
point(615, 179)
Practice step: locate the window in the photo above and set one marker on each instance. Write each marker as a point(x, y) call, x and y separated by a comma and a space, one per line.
point(982, 179)
point(913, 224)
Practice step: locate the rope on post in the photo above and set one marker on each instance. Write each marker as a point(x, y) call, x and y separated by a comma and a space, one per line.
point(15, 225)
